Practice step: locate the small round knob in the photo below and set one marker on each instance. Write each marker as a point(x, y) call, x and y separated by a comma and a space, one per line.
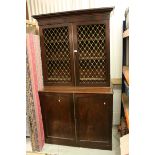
point(104, 103)
point(59, 100)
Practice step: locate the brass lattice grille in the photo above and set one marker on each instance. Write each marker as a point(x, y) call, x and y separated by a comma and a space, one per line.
point(56, 41)
point(92, 57)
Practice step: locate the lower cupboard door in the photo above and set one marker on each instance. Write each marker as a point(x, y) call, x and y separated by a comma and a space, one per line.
point(94, 120)
point(58, 118)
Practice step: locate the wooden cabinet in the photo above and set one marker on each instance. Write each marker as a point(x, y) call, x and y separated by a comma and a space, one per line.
point(76, 100)
point(74, 117)
point(93, 120)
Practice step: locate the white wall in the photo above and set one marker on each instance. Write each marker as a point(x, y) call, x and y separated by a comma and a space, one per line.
point(117, 17)
point(116, 105)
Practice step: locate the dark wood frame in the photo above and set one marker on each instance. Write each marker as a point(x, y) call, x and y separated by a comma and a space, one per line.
point(43, 56)
point(107, 46)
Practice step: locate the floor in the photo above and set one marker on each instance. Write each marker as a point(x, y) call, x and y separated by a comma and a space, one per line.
point(52, 149)
point(28, 145)
point(30, 153)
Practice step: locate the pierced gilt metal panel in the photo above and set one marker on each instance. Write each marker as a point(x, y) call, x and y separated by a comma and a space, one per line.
point(56, 42)
point(92, 56)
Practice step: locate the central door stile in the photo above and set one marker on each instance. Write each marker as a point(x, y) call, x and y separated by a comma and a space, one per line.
point(71, 52)
point(75, 53)
point(73, 49)
point(75, 119)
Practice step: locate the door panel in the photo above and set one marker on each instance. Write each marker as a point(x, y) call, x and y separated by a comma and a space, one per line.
point(58, 118)
point(57, 54)
point(92, 57)
point(94, 120)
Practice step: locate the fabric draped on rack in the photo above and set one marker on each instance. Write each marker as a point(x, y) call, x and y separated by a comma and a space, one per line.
point(36, 80)
point(30, 109)
point(38, 61)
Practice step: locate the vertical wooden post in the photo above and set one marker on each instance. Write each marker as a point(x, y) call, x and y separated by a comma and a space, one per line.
point(27, 14)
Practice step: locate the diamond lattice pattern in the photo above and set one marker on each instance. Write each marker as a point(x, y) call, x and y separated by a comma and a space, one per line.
point(56, 41)
point(92, 56)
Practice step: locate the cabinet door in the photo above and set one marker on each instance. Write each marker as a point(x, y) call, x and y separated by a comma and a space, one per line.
point(58, 118)
point(94, 120)
point(57, 54)
point(93, 53)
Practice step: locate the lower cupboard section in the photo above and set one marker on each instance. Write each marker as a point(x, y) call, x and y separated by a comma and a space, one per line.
point(80, 119)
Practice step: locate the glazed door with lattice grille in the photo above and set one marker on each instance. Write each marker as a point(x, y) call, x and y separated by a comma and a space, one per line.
point(57, 55)
point(92, 56)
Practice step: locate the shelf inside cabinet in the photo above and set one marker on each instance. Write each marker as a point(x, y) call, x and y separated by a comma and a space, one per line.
point(91, 79)
point(126, 33)
point(58, 59)
point(125, 101)
point(91, 58)
point(95, 39)
point(59, 79)
point(126, 73)
point(56, 41)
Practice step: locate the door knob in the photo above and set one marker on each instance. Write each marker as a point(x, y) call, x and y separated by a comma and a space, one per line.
point(59, 100)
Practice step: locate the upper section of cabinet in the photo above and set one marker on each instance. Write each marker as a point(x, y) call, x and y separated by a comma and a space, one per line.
point(75, 47)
